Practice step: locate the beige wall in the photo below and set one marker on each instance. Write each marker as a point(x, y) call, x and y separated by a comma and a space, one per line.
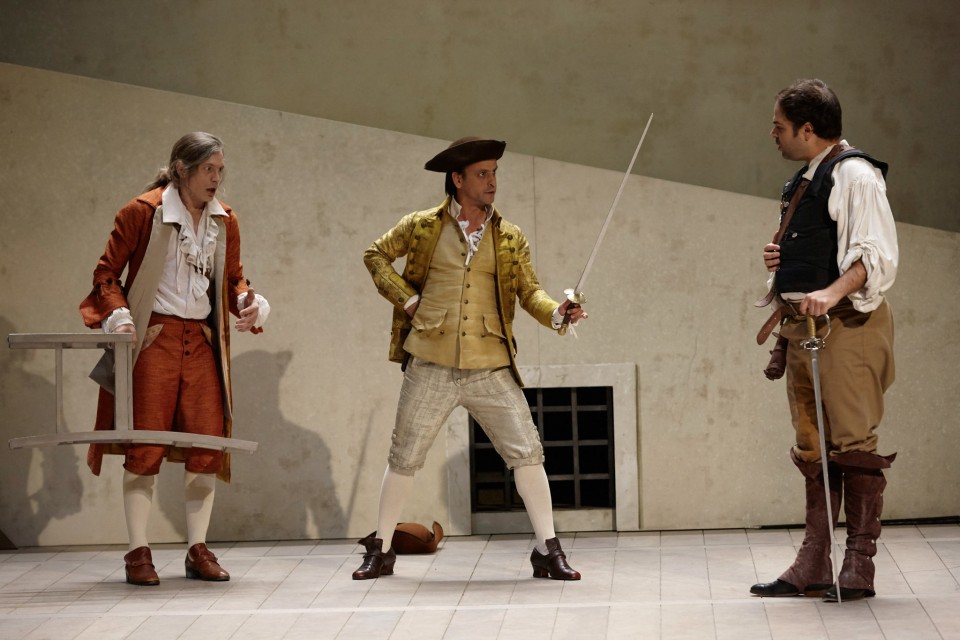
point(670, 293)
point(570, 80)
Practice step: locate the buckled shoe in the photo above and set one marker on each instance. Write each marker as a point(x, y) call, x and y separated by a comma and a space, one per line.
point(201, 564)
point(139, 568)
point(376, 563)
point(554, 564)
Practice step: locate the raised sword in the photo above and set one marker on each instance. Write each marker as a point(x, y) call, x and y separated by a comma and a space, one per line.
point(575, 295)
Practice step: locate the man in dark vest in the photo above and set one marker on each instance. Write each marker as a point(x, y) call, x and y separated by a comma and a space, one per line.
point(453, 307)
point(835, 254)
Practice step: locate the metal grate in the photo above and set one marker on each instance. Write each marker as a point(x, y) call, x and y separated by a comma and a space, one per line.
point(576, 428)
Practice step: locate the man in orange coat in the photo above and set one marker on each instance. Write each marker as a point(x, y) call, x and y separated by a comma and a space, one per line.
point(180, 247)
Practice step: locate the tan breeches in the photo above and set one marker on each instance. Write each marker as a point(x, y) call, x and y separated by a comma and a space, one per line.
point(856, 367)
point(431, 392)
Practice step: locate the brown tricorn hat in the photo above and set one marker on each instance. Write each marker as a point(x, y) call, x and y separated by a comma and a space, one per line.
point(410, 537)
point(465, 151)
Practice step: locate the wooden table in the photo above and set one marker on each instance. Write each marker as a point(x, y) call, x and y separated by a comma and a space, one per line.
point(123, 431)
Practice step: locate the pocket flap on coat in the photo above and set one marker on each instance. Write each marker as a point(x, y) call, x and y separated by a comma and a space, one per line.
point(491, 324)
point(428, 318)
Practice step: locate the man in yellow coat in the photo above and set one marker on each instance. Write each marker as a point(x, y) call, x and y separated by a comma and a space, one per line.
point(454, 304)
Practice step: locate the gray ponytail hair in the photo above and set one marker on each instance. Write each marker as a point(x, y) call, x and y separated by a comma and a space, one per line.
point(189, 152)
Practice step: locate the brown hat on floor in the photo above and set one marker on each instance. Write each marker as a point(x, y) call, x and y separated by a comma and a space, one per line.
point(465, 151)
point(411, 537)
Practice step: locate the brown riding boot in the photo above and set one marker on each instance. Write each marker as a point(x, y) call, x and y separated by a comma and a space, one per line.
point(811, 574)
point(863, 484)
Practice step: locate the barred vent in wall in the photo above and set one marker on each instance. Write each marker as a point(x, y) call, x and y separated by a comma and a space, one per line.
point(576, 428)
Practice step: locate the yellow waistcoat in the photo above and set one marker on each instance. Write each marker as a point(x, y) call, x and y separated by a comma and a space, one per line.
point(416, 237)
point(457, 323)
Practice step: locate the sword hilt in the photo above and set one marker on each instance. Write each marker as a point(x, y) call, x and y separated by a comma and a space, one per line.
point(813, 342)
point(576, 299)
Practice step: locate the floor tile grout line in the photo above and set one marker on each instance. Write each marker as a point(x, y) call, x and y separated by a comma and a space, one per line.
point(591, 549)
point(599, 604)
point(655, 608)
point(933, 622)
point(660, 587)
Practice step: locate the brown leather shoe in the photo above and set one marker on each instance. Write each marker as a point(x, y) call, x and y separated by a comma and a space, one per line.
point(376, 563)
point(139, 568)
point(201, 564)
point(554, 564)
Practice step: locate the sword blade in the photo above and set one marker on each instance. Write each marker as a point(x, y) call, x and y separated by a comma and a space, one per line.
point(606, 223)
point(814, 348)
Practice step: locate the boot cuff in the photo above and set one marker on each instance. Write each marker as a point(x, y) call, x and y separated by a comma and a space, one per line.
point(863, 460)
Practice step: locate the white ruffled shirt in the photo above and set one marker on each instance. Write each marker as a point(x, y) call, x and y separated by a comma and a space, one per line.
point(865, 227)
point(182, 290)
point(473, 239)
point(189, 264)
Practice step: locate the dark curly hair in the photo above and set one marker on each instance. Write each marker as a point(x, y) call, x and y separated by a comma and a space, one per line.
point(811, 100)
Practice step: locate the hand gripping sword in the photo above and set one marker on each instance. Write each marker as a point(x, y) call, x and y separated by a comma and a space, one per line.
point(575, 295)
point(813, 344)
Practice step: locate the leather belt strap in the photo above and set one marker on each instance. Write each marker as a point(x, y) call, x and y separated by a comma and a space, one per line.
point(772, 322)
point(784, 221)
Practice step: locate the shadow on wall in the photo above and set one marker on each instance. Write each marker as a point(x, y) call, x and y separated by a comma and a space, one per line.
point(39, 484)
point(283, 491)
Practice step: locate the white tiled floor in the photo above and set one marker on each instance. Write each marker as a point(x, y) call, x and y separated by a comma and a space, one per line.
point(686, 584)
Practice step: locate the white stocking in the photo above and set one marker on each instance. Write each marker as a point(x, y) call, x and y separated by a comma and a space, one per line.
point(533, 487)
point(198, 491)
point(394, 491)
point(137, 501)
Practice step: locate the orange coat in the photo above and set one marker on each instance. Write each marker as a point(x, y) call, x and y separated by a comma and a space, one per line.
point(125, 249)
